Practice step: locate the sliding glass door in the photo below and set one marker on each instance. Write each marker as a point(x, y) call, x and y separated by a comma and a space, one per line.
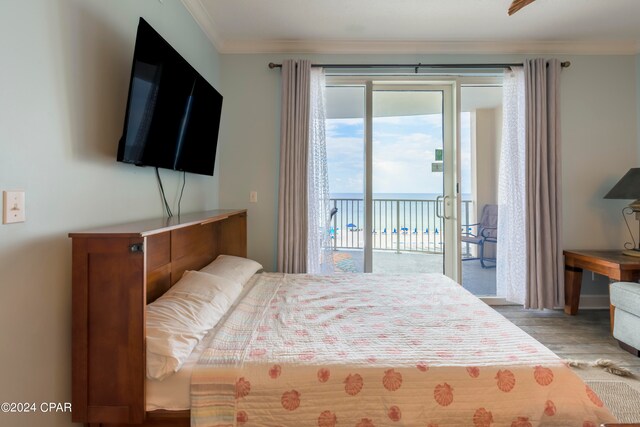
point(480, 145)
point(345, 129)
point(393, 173)
point(412, 206)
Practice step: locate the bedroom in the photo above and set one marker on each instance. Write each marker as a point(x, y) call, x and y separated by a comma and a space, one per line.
point(64, 73)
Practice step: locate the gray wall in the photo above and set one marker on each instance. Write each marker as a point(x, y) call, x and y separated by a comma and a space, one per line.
point(64, 77)
point(599, 130)
point(599, 133)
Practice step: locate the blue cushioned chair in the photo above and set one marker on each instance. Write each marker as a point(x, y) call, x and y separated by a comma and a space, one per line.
point(482, 233)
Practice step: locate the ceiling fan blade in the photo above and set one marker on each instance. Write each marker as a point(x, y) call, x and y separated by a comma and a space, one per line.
point(516, 5)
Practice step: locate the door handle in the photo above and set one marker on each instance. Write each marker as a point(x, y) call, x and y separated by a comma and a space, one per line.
point(444, 207)
point(438, 214)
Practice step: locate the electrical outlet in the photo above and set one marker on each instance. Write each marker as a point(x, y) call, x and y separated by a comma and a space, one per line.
point(253, 197)
point(13, 211)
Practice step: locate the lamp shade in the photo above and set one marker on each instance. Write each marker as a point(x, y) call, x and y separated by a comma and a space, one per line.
point(628, 187)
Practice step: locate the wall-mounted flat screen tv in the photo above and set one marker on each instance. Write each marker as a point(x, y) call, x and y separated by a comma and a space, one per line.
point(173, 113)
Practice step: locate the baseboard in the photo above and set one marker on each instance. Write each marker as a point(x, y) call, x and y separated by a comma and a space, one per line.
point(594, 302)
point(496, 301)
point(587, 302)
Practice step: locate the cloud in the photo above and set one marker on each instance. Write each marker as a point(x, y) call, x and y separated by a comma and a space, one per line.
point(345, 159)
point(403, 151)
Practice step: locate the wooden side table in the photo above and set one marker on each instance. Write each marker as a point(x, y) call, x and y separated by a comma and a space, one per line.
point(613, 264)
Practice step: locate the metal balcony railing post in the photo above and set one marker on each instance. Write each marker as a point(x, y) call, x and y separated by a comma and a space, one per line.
point(398, 226)
point(335, 227)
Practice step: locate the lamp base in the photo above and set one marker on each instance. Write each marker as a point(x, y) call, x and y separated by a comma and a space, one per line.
point(632, 252)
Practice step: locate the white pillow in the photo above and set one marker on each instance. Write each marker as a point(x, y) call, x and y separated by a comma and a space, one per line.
point(233, 268)
point(179, 319)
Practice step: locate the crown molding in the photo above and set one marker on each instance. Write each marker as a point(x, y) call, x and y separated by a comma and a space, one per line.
point(418, 47)
point(226, 46)
point(205, 21)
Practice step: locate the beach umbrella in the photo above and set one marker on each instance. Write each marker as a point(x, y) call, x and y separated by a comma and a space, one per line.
point(404, 229)
point(415, 230)
point(426, 231)
point(351, 226)
point(394, 231)
point(384, 231)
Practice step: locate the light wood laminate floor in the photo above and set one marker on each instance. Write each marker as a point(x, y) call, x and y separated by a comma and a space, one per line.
point(584, 337)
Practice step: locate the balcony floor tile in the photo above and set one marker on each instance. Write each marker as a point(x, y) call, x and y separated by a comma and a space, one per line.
point(478, 280)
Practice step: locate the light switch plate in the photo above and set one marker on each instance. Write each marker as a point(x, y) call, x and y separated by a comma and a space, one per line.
point(13, 207)
point(253, 197)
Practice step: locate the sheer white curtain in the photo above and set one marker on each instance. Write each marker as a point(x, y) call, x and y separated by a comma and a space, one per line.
point(319, 256)
point(511, 268)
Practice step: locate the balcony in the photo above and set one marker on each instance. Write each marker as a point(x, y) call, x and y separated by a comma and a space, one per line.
point(407, 237)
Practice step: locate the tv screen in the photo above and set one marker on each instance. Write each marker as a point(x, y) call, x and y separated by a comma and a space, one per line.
point(173, 113)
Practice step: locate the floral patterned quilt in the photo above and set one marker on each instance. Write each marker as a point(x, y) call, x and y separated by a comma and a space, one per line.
point(372, 350)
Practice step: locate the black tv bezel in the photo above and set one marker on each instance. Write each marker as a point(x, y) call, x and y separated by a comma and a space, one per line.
point(121, 144)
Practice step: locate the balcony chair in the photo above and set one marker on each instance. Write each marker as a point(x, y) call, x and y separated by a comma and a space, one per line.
point(481, 233)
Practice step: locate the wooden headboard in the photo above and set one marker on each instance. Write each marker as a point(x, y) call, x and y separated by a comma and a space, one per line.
point(116, 272)
point(170, 254)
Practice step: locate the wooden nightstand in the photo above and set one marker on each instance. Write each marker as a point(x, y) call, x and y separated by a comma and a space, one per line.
point(613, 264)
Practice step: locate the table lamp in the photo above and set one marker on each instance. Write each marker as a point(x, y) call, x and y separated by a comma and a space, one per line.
point(629, 188)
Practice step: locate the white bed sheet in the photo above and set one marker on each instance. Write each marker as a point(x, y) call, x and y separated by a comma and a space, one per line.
point(380, 350)
point(173, 393)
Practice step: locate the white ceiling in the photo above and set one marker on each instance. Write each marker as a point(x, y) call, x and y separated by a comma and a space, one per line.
point(419, 26)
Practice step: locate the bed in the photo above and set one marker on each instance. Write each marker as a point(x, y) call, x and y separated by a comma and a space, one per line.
point(375, 350)
point(359, 350)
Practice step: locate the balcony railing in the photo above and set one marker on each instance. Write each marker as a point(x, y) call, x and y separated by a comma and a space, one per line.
point(398, 225)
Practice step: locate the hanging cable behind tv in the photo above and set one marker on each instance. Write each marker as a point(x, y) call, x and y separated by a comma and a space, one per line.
point(184, 182)
point(164, 198)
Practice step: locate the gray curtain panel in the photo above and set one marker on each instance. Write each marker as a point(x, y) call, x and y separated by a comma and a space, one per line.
point(545, 276)
point(294, 143)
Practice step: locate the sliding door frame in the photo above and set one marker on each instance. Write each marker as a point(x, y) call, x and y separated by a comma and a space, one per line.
point(451, 86)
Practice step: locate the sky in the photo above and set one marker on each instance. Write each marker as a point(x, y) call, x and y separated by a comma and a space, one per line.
point(403, 151)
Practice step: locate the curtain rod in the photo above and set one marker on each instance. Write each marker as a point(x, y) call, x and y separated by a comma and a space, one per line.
point(564, 64)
